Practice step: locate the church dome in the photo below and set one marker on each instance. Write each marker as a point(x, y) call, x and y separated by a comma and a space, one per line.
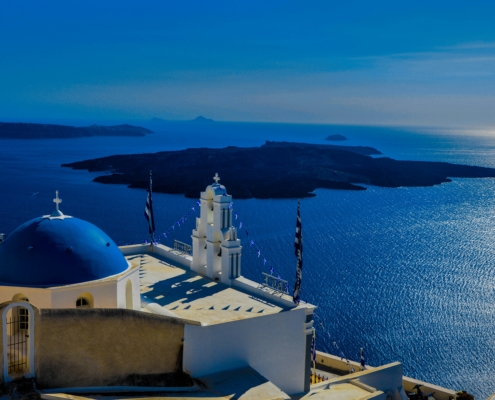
point(217, 189)
point(56, 250)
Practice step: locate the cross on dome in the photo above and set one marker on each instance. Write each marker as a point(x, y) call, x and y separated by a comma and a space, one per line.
point(57, 214)
point(216, 178)
point(56, 200)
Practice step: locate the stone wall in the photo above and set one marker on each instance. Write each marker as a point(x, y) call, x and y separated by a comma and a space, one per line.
point(97, 347)
point(2, 370)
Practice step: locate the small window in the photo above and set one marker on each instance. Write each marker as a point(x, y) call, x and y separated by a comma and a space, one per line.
point(23, 318)
point(82, 303)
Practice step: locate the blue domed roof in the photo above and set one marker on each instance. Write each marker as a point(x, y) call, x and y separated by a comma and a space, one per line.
point(58, 250)
point(217, 189)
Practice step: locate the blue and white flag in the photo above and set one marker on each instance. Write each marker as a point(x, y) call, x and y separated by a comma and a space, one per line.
point(298, 247)
point(148, 213)
point(362, 360)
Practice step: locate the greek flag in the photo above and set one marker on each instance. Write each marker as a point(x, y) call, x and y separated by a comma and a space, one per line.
point(148, 213)
point(362, 360)
point(298, 247)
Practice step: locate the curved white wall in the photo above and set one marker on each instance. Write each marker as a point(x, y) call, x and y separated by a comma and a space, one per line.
point(107, 293)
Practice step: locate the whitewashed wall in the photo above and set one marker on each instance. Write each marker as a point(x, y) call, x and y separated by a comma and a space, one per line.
point(386, 379)
point(104, 294)
point(109, 293)
point(133, 276)
point(168, 254)
point(274, 345)
point(41, 298)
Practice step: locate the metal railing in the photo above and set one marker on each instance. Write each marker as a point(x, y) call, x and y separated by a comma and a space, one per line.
point(17, 343)
point(275, 284)
point(182, 247)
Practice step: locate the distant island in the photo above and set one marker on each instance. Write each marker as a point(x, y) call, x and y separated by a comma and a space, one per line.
point(336, 138)
point(273, 170)
point(51, 131)
point(202, 119)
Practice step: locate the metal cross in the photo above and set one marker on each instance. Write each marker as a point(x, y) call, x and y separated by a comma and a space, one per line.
point(56, 200)
point(216, 178)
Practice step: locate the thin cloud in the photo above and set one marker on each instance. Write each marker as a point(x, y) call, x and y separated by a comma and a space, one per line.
point(451, 87)
point(471, 46)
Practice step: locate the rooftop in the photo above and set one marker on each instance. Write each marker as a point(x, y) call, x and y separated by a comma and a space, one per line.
point(188, 295)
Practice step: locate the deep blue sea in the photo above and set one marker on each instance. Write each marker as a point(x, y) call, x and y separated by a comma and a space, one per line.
point(408, 273)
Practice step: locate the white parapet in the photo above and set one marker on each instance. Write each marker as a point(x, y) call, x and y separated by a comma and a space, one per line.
point(273, 345)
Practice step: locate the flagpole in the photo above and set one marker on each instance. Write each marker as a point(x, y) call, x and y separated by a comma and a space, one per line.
point(148, 213)
point(298, 247)
point(314, 352)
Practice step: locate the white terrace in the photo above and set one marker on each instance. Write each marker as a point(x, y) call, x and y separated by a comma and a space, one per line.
point(184, 293)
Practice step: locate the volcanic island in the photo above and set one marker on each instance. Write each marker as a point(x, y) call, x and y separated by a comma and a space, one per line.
point(273, 170)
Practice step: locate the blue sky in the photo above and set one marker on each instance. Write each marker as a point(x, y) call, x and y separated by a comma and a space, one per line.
point(354, 62)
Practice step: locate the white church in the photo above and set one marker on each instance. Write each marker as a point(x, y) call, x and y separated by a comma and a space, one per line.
point(80, 313)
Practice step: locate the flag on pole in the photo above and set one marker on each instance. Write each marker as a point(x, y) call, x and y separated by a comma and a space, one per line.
point(148, 213)
point(362, 359)
point(298, 247)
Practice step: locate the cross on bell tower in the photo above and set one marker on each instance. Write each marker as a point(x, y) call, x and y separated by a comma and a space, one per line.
point(216, 178)
point(56, 200)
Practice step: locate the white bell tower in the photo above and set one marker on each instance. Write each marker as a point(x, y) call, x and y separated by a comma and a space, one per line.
point(216, 249)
